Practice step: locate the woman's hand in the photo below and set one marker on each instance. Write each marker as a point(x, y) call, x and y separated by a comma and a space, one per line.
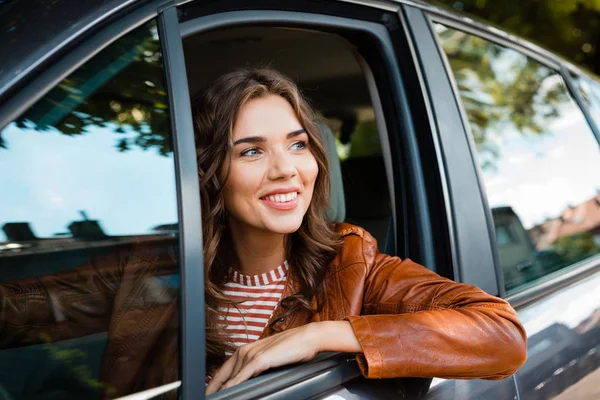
point(294, 345)
point(291, 346)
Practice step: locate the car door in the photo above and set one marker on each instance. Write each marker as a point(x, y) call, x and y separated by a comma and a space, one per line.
point(88, 137)
point(536, 152)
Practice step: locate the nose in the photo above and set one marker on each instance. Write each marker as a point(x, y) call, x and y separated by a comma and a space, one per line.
point(281, 167)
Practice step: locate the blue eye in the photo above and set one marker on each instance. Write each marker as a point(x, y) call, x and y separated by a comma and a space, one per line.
point(301, 145)
point(251, 152)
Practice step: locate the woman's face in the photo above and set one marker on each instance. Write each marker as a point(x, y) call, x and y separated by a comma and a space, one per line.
point(273, 172)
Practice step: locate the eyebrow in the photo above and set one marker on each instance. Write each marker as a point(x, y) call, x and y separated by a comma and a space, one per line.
point(261, 139)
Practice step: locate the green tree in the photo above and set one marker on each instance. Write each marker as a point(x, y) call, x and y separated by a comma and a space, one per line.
point(120, 89)
point(576, 247)
point(570, 28)
point(501, 90)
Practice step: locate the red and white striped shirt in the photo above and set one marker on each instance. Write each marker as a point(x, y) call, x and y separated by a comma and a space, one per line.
point(261, 293)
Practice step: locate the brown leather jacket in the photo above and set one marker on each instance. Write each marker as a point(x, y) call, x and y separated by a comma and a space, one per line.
point(409, 321)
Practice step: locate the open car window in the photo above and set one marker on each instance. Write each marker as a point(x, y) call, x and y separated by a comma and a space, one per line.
point(328, 72)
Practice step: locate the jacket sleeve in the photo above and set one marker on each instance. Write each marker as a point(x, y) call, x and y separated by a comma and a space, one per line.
point(415, 323)
point(61, 306)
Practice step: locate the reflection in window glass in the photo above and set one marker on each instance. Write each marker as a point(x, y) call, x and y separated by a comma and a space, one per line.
point(536, 153)
point(503, 235)
point(88, 231)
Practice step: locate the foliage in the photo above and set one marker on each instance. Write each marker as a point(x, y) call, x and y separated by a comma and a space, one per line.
point(576, 247)
point(570, 28)
point(365, 140)
point(502, 90)
point(121, 89)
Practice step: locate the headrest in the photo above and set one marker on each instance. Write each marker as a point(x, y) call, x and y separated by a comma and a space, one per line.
point(337, 206)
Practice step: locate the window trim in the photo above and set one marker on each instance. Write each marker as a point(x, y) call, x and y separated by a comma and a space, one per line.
point(490, 33)
point(302, 380)
point(406, 16)
point(574, 272)
point(385, 142)
point(324, 372)
point(574, 90)
point(192, 329)
point(468, 213)
point(545, 287)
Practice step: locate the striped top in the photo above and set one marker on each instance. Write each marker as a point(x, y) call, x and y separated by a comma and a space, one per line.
point(261, 293)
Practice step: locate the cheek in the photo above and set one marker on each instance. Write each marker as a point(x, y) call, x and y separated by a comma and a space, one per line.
point(310, 170)
point(242, 182)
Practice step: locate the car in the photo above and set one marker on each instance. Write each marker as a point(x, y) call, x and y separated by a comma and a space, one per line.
point(469, 150)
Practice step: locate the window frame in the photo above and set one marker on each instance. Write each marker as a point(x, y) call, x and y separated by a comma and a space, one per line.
point(330, 370)
point(576, 271)
point(192, 329)
point(468, 214)
point(34, 85)
point(574, 89)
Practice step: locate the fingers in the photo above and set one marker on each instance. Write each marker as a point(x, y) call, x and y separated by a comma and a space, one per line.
point(222, 375)
point(254, 367)
point(230, 369)
point(244, 355)
point(252, 359)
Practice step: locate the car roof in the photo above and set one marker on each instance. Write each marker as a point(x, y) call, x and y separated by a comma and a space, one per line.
point(32, 31)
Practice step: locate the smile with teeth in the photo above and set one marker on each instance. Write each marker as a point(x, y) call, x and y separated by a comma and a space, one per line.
point(281, 198)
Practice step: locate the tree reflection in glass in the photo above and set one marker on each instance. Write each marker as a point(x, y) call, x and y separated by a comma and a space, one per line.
point(536, 153)
point(118, 89)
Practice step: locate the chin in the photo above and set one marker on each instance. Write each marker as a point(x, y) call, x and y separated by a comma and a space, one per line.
point(284, 227)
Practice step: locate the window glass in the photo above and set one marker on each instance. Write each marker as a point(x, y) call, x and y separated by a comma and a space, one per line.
point(537, 155)
point(503, 235)
point(88, 233)
point(590, 92)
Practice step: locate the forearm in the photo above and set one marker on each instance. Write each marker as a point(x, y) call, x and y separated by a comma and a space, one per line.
point(336, 336)
point(453, 343)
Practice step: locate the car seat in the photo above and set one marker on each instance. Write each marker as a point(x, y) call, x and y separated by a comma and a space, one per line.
point(359, 192)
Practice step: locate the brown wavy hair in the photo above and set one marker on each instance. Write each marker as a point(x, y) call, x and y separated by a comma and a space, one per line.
point(309, 250)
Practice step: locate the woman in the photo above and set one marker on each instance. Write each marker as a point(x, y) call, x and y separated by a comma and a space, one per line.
point(301, 285)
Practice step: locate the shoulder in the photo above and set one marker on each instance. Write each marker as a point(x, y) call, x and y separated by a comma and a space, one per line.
point(358, 246)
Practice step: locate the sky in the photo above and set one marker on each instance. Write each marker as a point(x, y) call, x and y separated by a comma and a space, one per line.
point(48, 177)
point(539, 176)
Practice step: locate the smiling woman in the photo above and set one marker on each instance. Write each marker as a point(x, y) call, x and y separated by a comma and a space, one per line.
point(283, 283)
